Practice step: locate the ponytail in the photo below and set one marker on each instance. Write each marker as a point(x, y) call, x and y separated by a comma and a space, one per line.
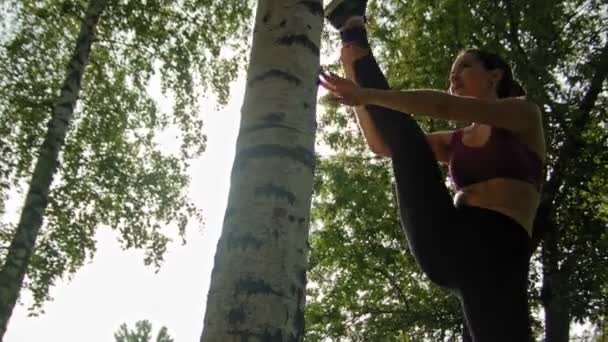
point(508, 86)
point(516, 90)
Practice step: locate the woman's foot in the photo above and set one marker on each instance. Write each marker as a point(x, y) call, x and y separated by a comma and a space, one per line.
point(343, 12)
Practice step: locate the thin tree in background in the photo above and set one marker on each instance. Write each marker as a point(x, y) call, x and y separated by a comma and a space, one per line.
point(22, 247)
point(257, 289)
point(114, 172)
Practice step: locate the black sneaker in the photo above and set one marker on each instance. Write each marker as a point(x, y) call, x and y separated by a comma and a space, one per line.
point(339, 11)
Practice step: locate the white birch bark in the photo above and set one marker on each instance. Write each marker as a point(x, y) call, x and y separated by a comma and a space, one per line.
point(257, 290)
point(22, 245)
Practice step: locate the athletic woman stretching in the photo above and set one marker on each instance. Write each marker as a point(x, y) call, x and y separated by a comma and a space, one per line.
point(477, 244)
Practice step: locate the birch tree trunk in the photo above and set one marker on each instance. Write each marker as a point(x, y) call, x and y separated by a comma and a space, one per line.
point(22, 245)
point(258, 283)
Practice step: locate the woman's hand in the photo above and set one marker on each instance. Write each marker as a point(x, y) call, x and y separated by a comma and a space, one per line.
point(343, 91)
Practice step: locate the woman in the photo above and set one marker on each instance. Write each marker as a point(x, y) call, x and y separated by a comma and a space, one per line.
point(476, 244)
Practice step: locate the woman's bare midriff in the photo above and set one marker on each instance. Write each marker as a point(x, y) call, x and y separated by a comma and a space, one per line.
point(517, 199)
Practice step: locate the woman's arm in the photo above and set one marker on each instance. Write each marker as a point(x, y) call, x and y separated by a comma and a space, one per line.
point(370, 132)
point(515, 114)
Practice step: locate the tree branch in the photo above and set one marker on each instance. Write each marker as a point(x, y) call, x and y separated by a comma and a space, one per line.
point(514, 29)
point(127, 45)
point(568, 150)
point(394, 285)
point(596, 84)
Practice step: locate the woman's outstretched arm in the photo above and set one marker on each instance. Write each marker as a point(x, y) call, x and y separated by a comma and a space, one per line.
point(516, 114)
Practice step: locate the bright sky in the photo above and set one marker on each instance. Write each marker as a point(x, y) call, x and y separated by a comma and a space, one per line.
point(116, 287)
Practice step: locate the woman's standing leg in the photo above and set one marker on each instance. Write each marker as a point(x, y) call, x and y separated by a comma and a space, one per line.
point(493, 285)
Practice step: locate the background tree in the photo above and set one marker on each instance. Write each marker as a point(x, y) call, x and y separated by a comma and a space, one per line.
point(22, 245)
point(560, 54)
point(141, 333)
point(112, 172)
point(257, 289)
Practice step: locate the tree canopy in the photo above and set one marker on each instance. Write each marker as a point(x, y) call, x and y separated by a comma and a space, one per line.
point(112, 171)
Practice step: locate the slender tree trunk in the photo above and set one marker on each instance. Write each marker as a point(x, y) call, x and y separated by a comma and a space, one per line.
point(22, 245)
point(557, 314)
point(258, 282)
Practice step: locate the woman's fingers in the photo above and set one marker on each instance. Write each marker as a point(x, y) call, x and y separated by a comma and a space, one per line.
point(330, 82)
point(330, 76)
point(325, 74)
point(328, 85)
point(342, 90)
point(339, 100)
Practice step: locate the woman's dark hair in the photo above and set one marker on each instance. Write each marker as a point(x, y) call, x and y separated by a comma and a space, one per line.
point(508, 86)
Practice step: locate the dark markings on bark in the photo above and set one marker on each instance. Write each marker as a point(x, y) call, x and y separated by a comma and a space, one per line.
point(283, 23)
point(244, 241)
point(291, 218)
point(299, 39)
point(301, 220)
point(279, 213)
point(298, 322)
point(313, 7)
point(255, 128)
point(276, 234)
point(266, 336)
point(302, 277)
point(266, 18)
point(278, 192)
point(242, 336)
point(237, 315)
point(306, 105)
point(296, 153)
point(274, 117)
point(300, 250)
point(275, 73)
point(272, 121)
point(250, 286)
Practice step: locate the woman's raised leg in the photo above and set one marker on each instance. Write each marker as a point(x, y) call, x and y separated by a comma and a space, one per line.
point(425, 204)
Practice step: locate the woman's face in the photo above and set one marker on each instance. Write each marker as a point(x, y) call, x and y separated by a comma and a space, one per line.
point(469, 77)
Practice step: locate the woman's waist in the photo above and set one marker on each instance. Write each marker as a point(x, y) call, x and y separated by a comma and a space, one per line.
point(515, 199)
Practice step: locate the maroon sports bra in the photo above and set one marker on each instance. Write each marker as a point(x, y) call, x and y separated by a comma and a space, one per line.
point(502, 156)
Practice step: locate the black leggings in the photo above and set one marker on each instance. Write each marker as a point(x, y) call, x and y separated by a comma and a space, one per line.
point(479, 254)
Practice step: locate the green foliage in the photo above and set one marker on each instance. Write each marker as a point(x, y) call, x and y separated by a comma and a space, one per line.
point(364, 283)
point(112, 171)
point(558, 50)
point(141, 333)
